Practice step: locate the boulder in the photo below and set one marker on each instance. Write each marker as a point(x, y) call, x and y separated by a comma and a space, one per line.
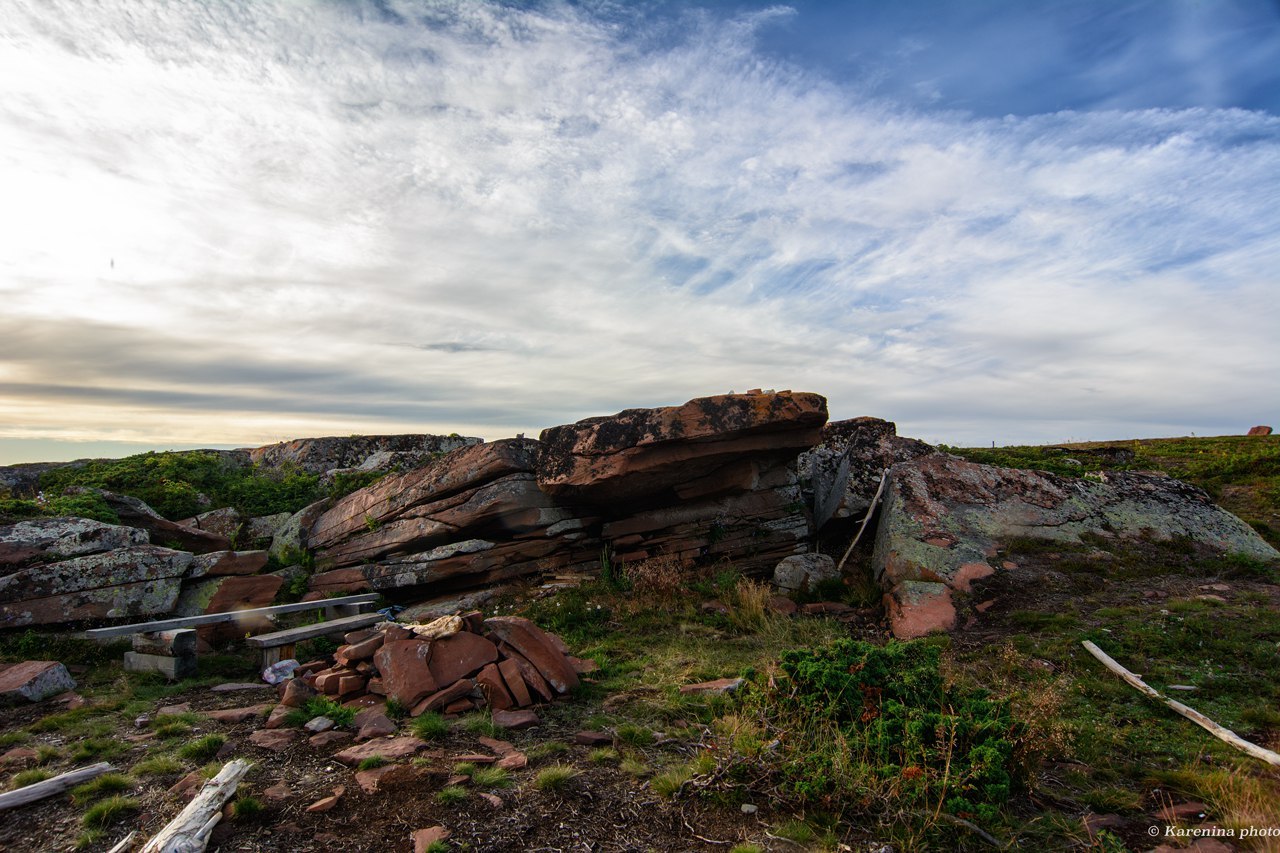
point(803, 572)
point(42, 540)
point(944, 519)
point(406, 675)
point(225, 522)
point(127, 583)
point(290, 539)
point(1260, 430)
point(33, 681)
point(260, 532)
point(640, 455)
point(459, 655)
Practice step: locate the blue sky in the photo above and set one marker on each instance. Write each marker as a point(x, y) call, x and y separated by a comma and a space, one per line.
point(230, 223)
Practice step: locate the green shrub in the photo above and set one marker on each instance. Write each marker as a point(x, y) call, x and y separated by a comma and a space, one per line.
point(878, 725)
point(320, 706)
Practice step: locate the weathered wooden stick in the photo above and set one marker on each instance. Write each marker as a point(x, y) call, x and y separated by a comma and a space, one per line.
point(1191, 714)
point(189, 831)
point(884, 475)
point(49, 787)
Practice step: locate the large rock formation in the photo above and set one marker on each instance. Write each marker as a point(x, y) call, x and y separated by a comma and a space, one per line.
point(944, 519)
point(476, 511)
point(711, 478)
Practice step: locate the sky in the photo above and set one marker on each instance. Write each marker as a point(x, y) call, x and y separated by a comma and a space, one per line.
point(233, 222)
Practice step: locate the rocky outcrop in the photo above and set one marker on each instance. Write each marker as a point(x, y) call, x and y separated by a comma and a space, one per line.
point(141, 580)
point(358, 452)
point(944, 518)
point(477, 511)
point(47, 539)
point(33, 681)
point(840, 474)
point(711, 478)
point(708, 446)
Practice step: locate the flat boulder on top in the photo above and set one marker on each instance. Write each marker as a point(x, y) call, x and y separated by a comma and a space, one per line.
point(46, 539)
point(944, 519)
point(642, 453)
point(406, 673)
point(459, 655)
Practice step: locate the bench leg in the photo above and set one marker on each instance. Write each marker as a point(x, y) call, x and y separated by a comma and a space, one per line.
point(275, 654)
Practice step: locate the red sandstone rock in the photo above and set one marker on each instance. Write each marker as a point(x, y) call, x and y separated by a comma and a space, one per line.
point(361, 651)
point(593, 739)
point(459, 655)
point(460, 688)
point(423, 838)
point(533, 679)
point(532, 642)
point(18, 757)
point(218, 563)
point(327, 803)
point(494, 689)
point(1260, 430)
point(459, 706)
point(33, 681)
point(406, 676)
point(239, 715)
point(275, 740)
point(391, 749)
point(296, 693)
point(640, 453)
point(510, 671)
point(375, 726)
point(522, 719)
point(917, 608)
point(276, 718)
point(329, 738)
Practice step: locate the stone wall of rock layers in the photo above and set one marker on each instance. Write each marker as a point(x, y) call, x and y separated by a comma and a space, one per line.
point(476, 512)
point(711, 478)
point(944, 518)
point(332, 454)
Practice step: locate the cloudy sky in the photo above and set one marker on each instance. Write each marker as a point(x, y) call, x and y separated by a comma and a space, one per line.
point(230, 222)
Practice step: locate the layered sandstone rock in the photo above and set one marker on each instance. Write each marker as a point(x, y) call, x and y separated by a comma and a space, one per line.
point(476, 512)
point(45, 539)
point(698, 449)
point(135, 513)
point(136, 581)
point(944, 519)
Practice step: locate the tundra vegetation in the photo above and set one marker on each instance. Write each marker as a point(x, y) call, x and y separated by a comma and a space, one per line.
point(1009, 734)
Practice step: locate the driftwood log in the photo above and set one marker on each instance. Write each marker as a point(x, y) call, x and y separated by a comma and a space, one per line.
point(1220, 732)
point(189, 831)
point(884, 475)
point(49, 787)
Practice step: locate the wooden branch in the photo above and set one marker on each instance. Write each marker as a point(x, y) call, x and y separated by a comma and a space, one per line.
point(1223, 734)
point(49, 787)
point(124, 843)
point(884, 476)
point(189, 831)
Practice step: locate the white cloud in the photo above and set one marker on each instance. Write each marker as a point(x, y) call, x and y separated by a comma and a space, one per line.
point(490, 220)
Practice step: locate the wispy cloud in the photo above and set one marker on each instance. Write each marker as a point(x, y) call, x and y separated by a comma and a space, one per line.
point(241, 222)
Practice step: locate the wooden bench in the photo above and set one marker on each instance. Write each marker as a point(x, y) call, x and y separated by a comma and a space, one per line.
point(279, 645)
point(167, 645)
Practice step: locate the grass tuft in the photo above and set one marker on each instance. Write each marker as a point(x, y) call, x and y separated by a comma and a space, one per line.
point(554, 778)
point(111, 810)
point(430, 726)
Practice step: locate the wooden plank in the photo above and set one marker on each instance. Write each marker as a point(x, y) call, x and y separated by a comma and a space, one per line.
point(49, 787)
point(319, 629)
point(215, 618)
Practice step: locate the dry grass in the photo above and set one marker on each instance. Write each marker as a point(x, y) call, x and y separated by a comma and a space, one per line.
point(659, 578)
